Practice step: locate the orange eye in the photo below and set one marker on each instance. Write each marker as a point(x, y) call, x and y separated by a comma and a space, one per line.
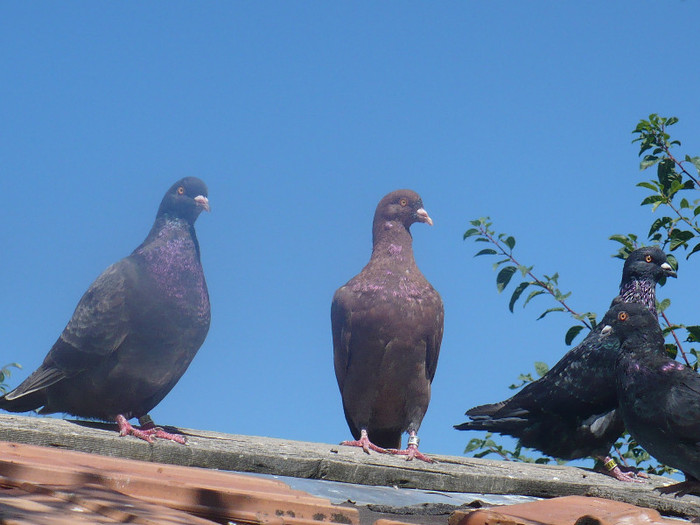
point(403, 202)
point(181, 190)
point(647, 258)
point(622, 316)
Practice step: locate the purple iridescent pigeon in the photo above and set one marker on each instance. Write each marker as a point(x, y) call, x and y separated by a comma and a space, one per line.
point(659, 397)
point(570, 412)
point(134, 332)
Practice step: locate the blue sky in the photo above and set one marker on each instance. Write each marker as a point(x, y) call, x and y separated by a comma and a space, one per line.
point(300, 116)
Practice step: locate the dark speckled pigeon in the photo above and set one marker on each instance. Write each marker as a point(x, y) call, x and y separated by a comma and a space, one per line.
point(136, 329)
point(570, 413)
point(659, 398)
point(387, 328)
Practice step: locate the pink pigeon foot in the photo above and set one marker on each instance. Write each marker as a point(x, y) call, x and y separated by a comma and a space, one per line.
point(365, 443)
point(634, 472)
point(411, 450)
point(611, 468)
point(148, 430)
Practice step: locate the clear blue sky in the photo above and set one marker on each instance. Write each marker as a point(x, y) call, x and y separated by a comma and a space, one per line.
point(300, 116)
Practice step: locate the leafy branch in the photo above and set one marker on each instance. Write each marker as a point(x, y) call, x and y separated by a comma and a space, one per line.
point(678, 229)
point(672, 178)
point(504, 245)
point(4, 374)
point(487, 446)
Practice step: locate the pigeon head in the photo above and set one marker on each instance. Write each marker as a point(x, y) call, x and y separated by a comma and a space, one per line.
point(185, 199)
point(625, 320)
point(400, 206)
point(647, 264)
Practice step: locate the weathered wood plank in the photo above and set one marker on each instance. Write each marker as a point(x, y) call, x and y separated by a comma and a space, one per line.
point(332, 462)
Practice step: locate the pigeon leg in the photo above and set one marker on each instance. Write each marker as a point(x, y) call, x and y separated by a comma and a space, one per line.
point(147, 432)
point(411, 449)
point(365, 443)
point(611, 468)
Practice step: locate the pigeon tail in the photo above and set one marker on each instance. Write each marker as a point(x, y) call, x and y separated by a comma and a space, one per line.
point(24, 403)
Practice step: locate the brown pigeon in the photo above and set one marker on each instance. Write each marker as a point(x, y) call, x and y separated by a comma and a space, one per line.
point(387, 328)
point(134, 332)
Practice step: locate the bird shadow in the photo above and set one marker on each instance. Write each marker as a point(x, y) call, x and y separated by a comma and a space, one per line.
point(113, 427)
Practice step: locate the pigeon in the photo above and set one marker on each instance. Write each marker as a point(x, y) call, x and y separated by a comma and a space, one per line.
point(569, 413)
point(134, 332)
point(659, 398)
point(387, 325)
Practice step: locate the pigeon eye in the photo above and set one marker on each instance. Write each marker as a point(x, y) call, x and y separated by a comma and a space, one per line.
point(181, 190)
point(622, 316)
point(647, 258)
point(403, 202)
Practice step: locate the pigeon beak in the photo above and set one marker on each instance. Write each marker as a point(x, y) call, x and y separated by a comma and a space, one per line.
point(668, 270)
point(606, 330)
point(202, 202)
point(423, 216)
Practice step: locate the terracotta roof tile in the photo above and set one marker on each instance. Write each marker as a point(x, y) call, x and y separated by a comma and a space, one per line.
point(61, 475)
point(567, 510)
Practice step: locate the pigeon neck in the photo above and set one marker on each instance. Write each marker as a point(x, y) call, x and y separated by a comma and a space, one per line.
point(392, 239)
point(640, 291)
point(167, 227)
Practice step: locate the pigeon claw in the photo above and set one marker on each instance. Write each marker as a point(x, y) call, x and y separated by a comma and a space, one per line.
point(626, 474)
point(147, 432)
point(365, 443)
point(620, 475)
point(689, 486)
point(411, 452)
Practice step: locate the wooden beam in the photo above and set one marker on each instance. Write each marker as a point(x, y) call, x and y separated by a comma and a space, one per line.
point(333, 462)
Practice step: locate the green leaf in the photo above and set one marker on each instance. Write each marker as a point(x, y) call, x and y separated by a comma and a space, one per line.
point(473, 445)
point(651, 199)
point(525, 269)
point(486, 251)
point(504, 276)
point(550, 310)
point(663, 305)
point(470, 232)
point(649, 185)
point(695, 161)
point(695, 249)
point(693, 333)
point(679, 238)
point(517, 293)
point(572, 333)
point(648, 161)
point(629, 242)
point(541, 368)
point(532, 295)
point(510, 241)
point(662, 222)
point(562, 297)
point(498, 263)
point(671, 350)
